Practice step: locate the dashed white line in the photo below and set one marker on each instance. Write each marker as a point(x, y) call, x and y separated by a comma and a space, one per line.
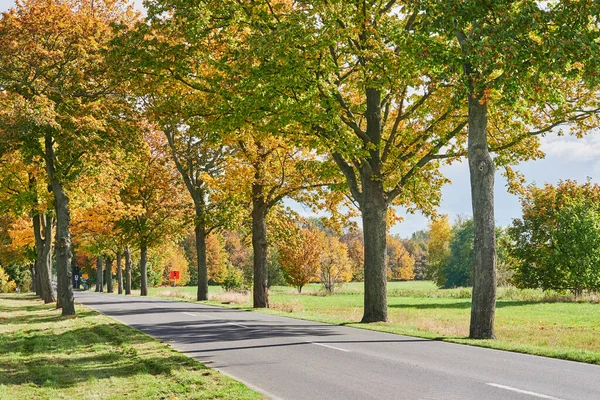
point(512, 389)
point(330, 347)
point(189, 313)
point(241, 326)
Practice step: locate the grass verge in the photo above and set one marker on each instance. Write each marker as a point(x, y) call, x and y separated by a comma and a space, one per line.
point(527, 321)
point(91, 356)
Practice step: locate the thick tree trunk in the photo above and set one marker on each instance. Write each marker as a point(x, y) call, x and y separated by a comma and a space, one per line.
point(482, 169)
point(127, 270)
point(374, 210)
point(119, 274)
point(63, 234)
point(202, 266)
point(108, 272)
point(259, 248)
point(143, 270)
point(99, 274)
point(42, 227)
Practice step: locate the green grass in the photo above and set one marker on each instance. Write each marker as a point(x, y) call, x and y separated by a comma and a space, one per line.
point(528, 321)
point(91, 356)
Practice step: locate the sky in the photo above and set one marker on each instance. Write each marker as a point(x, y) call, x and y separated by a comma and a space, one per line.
point(566, 158)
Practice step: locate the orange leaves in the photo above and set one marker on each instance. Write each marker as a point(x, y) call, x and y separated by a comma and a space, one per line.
point(300, 257)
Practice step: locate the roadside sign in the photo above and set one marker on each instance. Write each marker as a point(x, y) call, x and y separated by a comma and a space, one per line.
point(174, 275)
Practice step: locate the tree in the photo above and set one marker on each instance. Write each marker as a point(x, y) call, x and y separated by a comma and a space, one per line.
point(555, 245)
point(417, 248)
point(301, 257)
point(155, 200)
point(400, 263)
point(458, 270)
point(438, 249)
point(21, 181)
point(356, 252)
point(535, 77)
point(358, 84)
point(56, 100)
point(336, 266)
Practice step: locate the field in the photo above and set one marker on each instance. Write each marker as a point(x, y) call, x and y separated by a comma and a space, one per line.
point(528, 321)
point(90, 356)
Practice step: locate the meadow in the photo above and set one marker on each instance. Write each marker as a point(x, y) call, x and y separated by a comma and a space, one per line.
point(528, 321)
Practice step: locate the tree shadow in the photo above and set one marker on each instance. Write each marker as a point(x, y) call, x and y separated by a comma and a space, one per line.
point(79, 355)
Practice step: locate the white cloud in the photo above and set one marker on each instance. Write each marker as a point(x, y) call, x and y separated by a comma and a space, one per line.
point(572, 149)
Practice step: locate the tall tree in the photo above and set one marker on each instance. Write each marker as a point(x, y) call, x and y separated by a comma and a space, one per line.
point(155, 200)
point(57, 95)
point(524, 65)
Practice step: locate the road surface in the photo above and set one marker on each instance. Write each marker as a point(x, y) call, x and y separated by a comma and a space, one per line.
point(286, 358)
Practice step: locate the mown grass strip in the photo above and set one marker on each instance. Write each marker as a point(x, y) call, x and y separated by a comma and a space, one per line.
point(91, 356)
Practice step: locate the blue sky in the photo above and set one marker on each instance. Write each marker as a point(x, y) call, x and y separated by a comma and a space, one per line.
point(566, 158)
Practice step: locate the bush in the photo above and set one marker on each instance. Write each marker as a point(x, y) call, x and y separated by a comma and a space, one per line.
point(231, 278)
point(6, 285)
point(557, 242)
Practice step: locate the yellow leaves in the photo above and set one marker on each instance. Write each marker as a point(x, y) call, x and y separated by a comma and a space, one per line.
point(21, 233)
point(535, 37)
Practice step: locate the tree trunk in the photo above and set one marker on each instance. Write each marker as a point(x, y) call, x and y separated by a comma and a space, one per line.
point(42, 225)
point(202, 267)
point(127, 270)
point(259, 248)
point(143, 270)
point(33, 278)
point(481, 167)
point(374, 208)
point(108, 271)
point(119, 274)
point(99, 275)
point(63, 233)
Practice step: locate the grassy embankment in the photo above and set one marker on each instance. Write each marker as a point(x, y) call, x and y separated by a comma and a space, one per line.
point(90, 356)
point(528, 321)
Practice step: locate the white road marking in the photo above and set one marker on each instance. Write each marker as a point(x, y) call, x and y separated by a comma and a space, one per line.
point(330, 347)
point(241, 326)
point(512, 389)
point(189, 313)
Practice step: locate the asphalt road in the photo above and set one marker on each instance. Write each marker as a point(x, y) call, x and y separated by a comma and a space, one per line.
point(292, 359)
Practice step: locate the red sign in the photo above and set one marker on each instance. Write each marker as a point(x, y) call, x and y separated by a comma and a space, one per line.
point(174, 275)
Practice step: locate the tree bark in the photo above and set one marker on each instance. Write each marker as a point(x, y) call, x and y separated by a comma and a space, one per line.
point(99, 274)
point(33, 278)
point(374, 210)
point(259, 248)
point(201, 255)
point(482, 169)
point(42, 227)
point(127, 270)
point(108, 272)
point(63, 234)
point(143, 270)
point(119, 273)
